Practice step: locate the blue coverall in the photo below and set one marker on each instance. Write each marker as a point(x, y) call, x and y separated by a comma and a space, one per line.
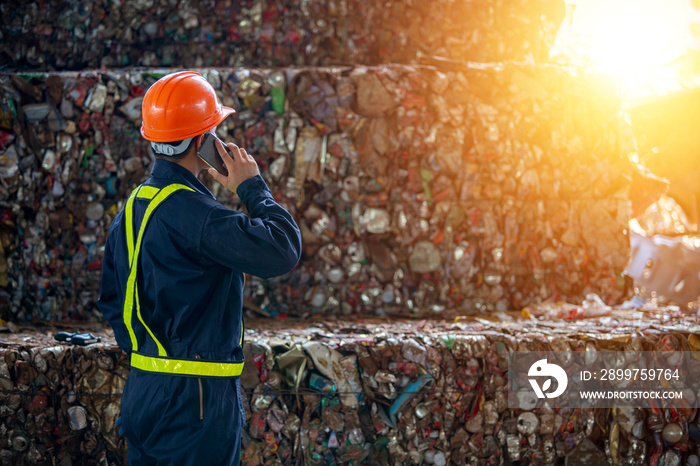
point(189, 286)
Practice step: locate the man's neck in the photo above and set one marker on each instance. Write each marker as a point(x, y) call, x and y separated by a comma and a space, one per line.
point(193, 163)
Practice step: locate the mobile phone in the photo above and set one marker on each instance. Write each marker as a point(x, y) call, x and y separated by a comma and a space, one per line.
point(210, 154)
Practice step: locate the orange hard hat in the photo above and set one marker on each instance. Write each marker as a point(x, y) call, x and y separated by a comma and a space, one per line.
point(179, 106)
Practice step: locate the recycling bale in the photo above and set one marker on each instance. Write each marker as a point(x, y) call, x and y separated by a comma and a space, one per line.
point(419, 190)
point(367, 391)
point(74, 35)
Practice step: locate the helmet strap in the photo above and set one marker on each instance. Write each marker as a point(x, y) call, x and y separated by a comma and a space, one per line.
point(167, 149)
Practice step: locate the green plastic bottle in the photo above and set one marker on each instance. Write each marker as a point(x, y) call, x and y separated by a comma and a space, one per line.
point(277, 95)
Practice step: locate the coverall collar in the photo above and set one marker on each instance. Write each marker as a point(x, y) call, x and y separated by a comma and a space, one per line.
point(176, 173)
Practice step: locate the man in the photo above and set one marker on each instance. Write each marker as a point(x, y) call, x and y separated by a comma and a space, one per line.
point(172, 282)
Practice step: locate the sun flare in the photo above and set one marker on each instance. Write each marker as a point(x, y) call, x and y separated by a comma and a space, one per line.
point(632, 40)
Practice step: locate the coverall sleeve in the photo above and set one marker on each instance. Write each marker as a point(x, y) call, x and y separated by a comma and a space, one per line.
point(264, 243)
point(109, 302)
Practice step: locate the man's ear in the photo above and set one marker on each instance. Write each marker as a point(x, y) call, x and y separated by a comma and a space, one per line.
point(198, 142)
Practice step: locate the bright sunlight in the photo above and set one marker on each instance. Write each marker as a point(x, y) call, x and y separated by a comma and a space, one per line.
point(629, 39)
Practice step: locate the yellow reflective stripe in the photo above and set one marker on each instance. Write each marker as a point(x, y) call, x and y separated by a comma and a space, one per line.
point(240, 343)
point(142, 192)
point(148, 192)
point(162, 195)
point(128, 216)
point(161, 350)
point(197, 368)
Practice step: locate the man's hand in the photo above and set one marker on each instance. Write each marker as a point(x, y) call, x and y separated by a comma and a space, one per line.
point(240, 166)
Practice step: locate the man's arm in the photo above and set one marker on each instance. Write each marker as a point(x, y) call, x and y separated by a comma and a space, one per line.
point(265, 243)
